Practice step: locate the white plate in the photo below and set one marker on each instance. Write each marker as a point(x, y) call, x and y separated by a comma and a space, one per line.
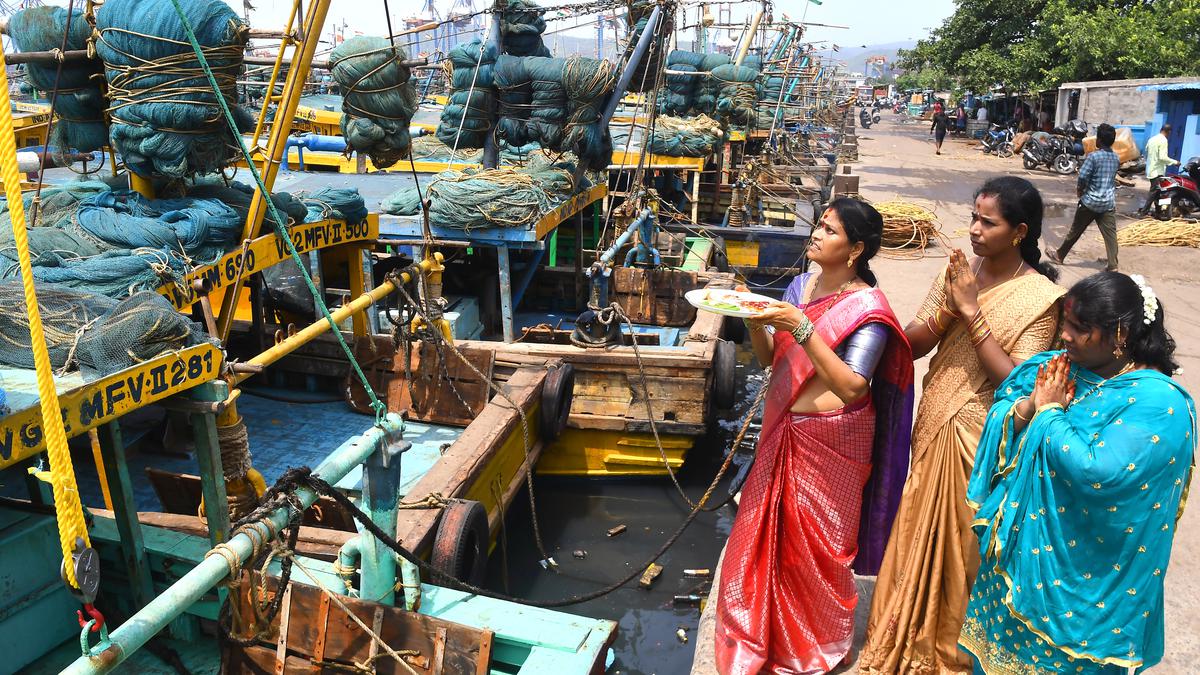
point(702, 297)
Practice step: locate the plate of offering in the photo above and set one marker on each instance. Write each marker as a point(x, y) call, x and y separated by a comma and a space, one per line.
point(730, 303)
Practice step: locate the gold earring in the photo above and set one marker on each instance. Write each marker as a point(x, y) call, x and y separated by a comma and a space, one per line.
point(850, 262)
point(1118, 348)
point(1017, 240)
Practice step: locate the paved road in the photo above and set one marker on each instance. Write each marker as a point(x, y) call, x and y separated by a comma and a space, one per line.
point(897, 161)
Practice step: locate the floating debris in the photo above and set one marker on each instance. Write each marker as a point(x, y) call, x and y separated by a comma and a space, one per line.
point(698, 574)
point(690, 599)
point(682, 635)
point(650, 575)
point(616, 530)
point(579, 554)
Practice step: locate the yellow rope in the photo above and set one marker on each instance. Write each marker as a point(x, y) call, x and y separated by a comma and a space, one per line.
point(1151, 232)
point(907, 228)
point(71, 526)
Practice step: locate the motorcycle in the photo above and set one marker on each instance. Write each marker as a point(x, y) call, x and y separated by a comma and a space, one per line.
point(1177, 196)
point(864, 118)
point(1060, 150)
point(999, 139)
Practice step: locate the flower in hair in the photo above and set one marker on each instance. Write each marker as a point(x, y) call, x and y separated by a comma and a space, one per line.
point(1149, 299)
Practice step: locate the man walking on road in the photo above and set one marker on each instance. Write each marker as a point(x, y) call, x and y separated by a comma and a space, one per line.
point(1097, 198)
point(938, 129)
point(1157, 162)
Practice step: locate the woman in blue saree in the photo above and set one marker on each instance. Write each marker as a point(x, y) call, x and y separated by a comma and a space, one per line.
point(1079, 481)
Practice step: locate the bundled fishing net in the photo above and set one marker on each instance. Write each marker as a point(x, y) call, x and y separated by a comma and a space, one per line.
point(678, 97)
point(708, 89)
point(165, 116)
point(341, 203)
point(685, 137)
point(555, 103)
point(57, 203)
point(738, 94)
point(431, 148)
point(79, 102)
point(116, 242)
point(521, 28)
point(772, 101)
point(645, 76)
point(92, 333)
point(378, 97)
point(478, 198)
point(467, 117)
point(238, 196)
point(514, 96)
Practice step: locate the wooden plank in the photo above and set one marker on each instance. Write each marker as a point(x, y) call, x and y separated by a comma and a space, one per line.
point(426, 644)
point(105, 399)
point(179, 493)
point(313, 541)
point(267, 251)
point(465, 461)
point(436, 389)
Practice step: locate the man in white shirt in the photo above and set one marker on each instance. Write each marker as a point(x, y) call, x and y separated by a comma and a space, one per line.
point(981, 114)
point(1157, 162)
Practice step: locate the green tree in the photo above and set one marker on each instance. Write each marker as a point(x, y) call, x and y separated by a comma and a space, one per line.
point(1042, 43)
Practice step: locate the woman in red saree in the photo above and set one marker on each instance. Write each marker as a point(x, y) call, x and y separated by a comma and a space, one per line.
point(831, 461)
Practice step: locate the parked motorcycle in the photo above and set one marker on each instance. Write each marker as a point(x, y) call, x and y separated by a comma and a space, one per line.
point(1177, 196)
point(1060, 150)
point(864, 118)
point(999, 139)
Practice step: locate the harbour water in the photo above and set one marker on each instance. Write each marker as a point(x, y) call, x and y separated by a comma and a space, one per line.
point(576, 514)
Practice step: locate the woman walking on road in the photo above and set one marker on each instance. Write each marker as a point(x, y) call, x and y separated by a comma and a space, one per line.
point(938, 129)
point(984, 317)
point(1080, 480)
point(831, 459)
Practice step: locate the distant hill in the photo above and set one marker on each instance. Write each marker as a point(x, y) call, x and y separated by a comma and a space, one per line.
point(856, 56)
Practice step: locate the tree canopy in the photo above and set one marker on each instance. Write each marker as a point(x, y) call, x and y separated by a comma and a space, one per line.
point(1039, 44)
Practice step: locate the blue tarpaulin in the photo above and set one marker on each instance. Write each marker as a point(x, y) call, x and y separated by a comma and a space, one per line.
point(1173, 86)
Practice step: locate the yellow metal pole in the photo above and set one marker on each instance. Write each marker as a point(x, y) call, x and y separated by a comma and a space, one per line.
point(94, 440)
point(281, 127)
point(141, 185)
point(321, 326)
point(71, 527)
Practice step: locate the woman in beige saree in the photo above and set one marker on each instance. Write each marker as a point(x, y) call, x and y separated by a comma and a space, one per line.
point(984, 316)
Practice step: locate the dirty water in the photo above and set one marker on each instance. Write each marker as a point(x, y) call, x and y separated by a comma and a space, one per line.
point(575, 515)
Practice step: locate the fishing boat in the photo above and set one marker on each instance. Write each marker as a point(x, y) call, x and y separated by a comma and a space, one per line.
point(149, 569)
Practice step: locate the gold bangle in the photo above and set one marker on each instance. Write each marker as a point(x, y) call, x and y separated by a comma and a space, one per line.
point(1048, 406)
point(979, 339)
point(1016, 409)
point(932, 327)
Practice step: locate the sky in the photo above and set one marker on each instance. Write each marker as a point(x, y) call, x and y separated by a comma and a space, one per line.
point(869, 21)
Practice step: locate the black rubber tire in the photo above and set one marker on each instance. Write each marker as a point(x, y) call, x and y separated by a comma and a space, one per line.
point(460, 548)
point(557, 393)
point(724, 375)
point(1030, 164)
point(735, 330)
point(1182, 206)
point(1066, 165)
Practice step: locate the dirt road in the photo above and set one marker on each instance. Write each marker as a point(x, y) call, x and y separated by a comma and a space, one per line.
point(897, 161)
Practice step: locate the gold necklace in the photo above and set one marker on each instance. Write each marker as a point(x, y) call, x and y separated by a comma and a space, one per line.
point(1020, 266)
point(813, 289)
point(1128, 368)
